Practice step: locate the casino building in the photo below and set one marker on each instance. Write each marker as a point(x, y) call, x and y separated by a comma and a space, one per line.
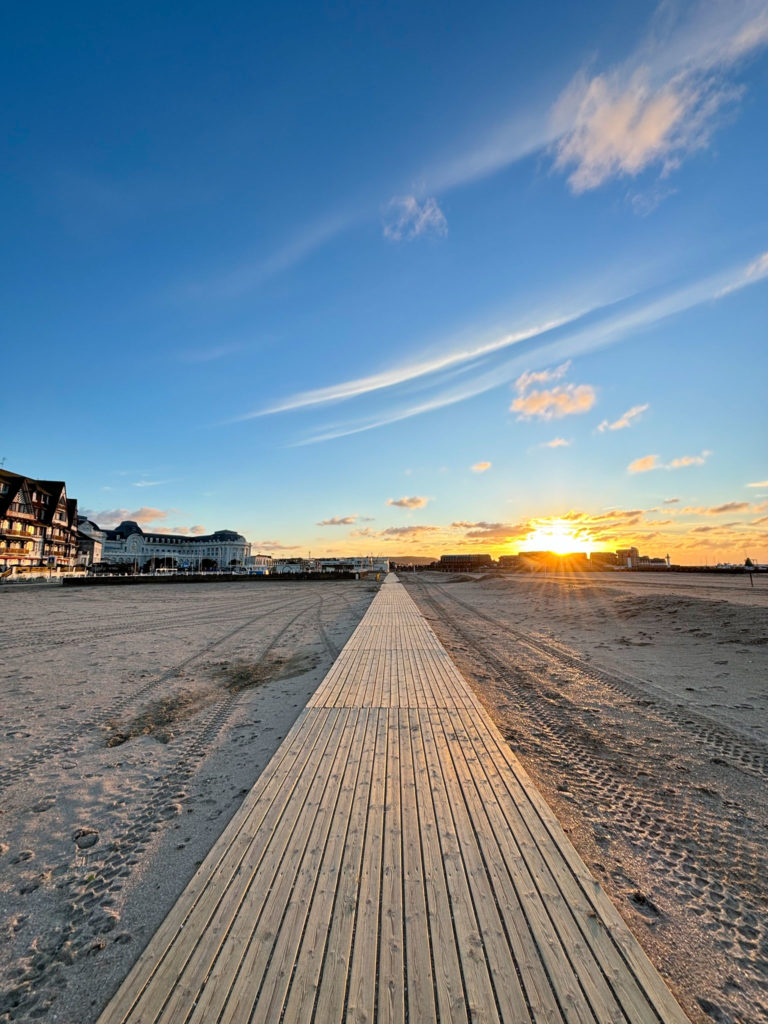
point(129, 544)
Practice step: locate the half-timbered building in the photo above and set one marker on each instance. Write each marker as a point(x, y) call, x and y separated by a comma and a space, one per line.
point(38, 523)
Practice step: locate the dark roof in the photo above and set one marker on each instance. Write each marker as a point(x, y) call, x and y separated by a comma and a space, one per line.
point(128, 527)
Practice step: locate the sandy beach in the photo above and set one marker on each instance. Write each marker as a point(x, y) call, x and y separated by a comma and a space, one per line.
point(135, 719)
point(639, 705)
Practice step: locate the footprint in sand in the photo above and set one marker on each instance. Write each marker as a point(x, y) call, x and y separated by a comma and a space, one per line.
point(84, 838)
point(42, 805)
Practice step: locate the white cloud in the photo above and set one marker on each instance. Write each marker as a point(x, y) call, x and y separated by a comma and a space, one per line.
point(481, 467)
point(759, 483)
point(625, 420)
point(525, 380)
point(663, 103)
point(414, 502)
point(405, 218)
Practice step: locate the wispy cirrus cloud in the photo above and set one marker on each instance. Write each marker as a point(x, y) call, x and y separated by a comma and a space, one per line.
point(625, 420)
point(412, 371)
point(417, 501)
point(471, 369)
point(759, 483)
point(406, 218)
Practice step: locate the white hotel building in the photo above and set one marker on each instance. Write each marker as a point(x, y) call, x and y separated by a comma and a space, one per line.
point(129, 544)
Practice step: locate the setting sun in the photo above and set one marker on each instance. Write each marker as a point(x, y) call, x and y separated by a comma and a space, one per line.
point(560, 536)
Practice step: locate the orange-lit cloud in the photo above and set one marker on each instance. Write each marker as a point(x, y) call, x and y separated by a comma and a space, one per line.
point(625, 420)
point(553, 404)
point(338, 521)
point(273, 545)
point(689, 460)
point(481, 467)
point(557, 442)
point(664, 102)
point(644, 465)
point(115, 516)
point(649, 462)
point(416, 501)
point(759, 483)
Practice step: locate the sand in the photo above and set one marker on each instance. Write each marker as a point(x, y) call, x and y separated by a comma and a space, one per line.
point(134, 720)
point(639, 705)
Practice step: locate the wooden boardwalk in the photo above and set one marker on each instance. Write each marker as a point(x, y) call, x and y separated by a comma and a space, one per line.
point(393, 863)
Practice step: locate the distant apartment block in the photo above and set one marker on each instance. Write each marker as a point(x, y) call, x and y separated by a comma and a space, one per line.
point(465, 562)
point(38, 523)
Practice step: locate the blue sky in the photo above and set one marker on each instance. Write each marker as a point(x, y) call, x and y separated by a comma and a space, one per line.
point(278, 268)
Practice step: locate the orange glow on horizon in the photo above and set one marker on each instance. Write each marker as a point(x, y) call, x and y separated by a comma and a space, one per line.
point(559, 536)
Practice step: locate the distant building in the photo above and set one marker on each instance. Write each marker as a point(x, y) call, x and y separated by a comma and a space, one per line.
point(628, 557)
point(510, 562)
point(129, 544)
point(38, 523)
point(259, 564)
point(465, 563)
point(90, 542)
point(603, 559)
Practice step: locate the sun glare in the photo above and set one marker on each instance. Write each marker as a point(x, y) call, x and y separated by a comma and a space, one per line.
point(560, 536)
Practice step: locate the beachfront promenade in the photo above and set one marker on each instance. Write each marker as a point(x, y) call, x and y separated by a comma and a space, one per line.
point(393, 863)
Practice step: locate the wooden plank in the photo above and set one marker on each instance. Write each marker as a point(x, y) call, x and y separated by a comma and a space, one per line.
point(244, 837)
point(390, 995)
point(361, 996)
point(636, 983)
point(241, 955)
point(304, 926)
point(478, 985)
point(447, 976)
point(418, 940)
point(542, 961)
